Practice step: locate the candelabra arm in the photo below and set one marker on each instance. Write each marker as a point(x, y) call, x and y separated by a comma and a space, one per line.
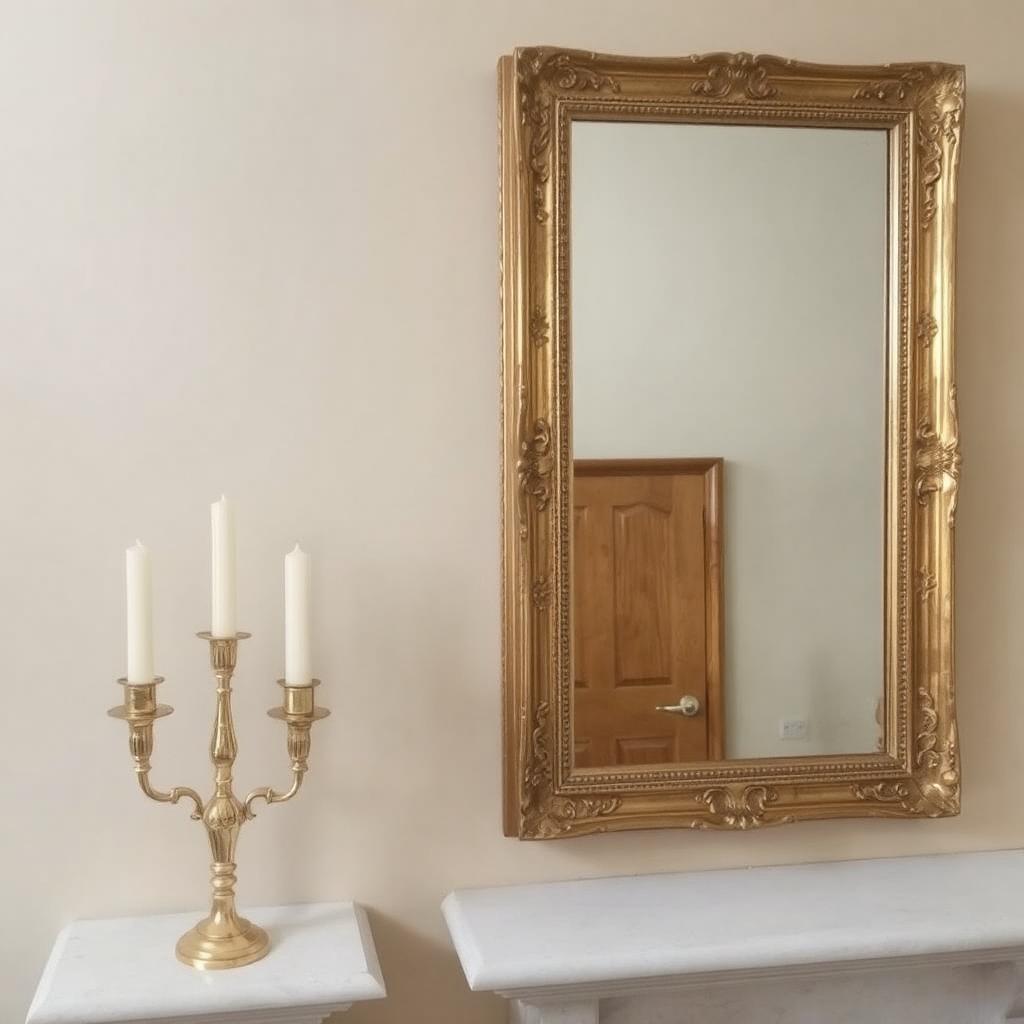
point(173, 796)
point(272, 796)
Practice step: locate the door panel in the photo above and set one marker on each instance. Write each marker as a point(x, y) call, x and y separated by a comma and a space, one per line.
point(646, 611)
point(642, 575)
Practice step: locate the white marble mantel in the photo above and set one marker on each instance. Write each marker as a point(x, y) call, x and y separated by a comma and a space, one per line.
point(936, 939)
point(123, 971)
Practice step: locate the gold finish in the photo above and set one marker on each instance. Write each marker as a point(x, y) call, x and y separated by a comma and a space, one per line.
point(916, 774)
point(298, 713)
point(140, 710)
point(223, 939)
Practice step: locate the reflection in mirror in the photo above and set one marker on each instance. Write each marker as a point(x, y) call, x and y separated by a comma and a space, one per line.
point(728, 338)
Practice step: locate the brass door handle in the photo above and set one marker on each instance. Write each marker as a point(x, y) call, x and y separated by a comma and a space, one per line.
point(688, 707)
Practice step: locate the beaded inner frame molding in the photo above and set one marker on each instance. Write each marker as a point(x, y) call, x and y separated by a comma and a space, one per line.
point(920, 107)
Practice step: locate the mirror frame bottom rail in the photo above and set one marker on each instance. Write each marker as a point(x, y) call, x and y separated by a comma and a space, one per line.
point(920, 106)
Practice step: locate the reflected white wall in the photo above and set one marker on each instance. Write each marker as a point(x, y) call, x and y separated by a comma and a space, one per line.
point(728, 289)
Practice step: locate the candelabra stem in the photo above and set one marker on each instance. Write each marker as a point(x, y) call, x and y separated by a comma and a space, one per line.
point(223, 939)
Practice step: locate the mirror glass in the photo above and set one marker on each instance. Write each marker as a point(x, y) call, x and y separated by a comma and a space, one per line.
point(728, 326)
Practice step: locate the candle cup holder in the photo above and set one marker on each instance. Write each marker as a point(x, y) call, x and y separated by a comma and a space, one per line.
point(223, 939)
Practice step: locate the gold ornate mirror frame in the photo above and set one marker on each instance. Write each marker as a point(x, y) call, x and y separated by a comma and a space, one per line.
point(920, 106)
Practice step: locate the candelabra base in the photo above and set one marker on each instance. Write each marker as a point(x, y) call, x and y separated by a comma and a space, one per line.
point(222, 941)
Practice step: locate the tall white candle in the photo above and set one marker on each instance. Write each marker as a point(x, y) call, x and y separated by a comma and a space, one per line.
point(222, 589)
point(140, 614)
point(297, 658)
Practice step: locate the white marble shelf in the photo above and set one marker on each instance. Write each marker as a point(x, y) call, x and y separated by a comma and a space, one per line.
point(123, 971)
point(602, 936)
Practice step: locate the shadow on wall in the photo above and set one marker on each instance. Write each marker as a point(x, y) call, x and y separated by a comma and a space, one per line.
point(415, 966)
point(990, 361)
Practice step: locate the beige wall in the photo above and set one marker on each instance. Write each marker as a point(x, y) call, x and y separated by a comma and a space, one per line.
point(724, 278)
point(250, 246)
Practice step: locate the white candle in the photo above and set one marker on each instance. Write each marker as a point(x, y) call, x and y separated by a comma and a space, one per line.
point(222, 589)
point(297, 660)
point(140, 614)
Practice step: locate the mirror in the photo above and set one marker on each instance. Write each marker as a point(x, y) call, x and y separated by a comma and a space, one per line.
point(727, 303)
point(730, 443)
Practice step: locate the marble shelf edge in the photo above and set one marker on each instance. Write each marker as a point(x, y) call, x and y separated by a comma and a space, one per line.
point(322, 960)
point(627, 987)
point(538, 940)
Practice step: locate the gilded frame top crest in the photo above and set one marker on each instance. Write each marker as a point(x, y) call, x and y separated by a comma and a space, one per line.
point(920, 105)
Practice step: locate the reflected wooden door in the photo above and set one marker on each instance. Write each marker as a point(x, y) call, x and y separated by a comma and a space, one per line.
point(647, 618)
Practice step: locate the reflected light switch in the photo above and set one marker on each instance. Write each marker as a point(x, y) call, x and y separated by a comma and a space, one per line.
point(792, 728)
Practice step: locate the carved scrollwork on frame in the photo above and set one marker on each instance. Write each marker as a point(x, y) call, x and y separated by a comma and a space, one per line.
point(938, 460)
point(927, 755)
point(564, 814)
point(542, 72)
point(533, 467)
point(887, 89)
point(931, 793)
point(927, 328)
point(939, 114)
point(540, 329)
point(538, 764)
point(535, 464)
point(916, 772)
point(940, 787)
point(743, 809)
point(540, 594)
point(900, 793)
point(937, 92)
point(730, 71)
point(933, 790)
point(926, 584)
point(547, 814)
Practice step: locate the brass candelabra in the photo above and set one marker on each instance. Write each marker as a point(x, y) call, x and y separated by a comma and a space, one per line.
point(222, 939)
